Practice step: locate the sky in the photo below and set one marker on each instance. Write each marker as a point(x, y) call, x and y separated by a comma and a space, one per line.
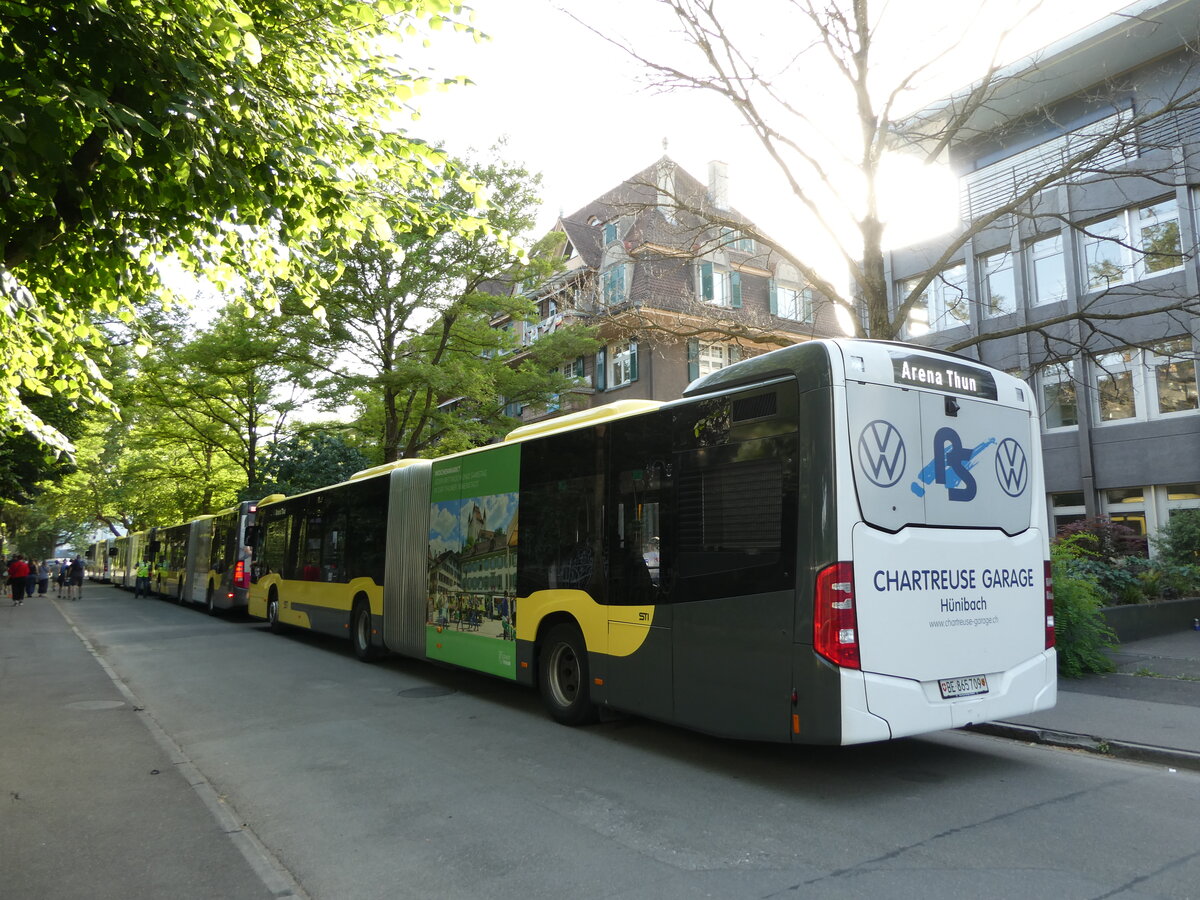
point(580, 111)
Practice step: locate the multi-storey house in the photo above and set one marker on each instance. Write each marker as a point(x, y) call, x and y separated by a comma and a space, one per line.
point(1088, 288)
point(676, 284)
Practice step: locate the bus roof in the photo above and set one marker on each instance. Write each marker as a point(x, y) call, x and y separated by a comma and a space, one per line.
point(619, 410)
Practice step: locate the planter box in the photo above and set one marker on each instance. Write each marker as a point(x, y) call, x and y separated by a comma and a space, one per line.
point(1144, 620)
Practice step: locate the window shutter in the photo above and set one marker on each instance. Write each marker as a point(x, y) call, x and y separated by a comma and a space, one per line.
point(735, 289)
point(633, 361)
point(774, 298)
point(610, 233)
point(601, 369)
point(706, 281)
point(693, 360)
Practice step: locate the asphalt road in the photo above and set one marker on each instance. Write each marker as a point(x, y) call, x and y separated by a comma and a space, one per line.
point(400, 779)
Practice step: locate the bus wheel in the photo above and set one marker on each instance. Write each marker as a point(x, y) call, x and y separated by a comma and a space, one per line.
point(360, 632)
point(563, 676)
point(273, 614)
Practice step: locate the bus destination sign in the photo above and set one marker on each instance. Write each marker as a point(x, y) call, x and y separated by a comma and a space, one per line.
point(942, 375)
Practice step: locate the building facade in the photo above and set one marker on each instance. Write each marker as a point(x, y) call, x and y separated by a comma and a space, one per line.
point(676, 285)
point(1088, 286)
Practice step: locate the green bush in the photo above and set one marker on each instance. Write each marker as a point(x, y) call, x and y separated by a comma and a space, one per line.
point(1081, 635)
point(1179, 541)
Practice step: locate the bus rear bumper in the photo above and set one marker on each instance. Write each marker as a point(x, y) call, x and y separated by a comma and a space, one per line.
point(912, 707)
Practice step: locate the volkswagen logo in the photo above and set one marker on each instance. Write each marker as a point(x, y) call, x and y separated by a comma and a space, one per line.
point(1012, 468)
point(881, 454)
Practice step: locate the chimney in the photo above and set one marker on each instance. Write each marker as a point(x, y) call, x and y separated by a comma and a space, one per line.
point(718, 184)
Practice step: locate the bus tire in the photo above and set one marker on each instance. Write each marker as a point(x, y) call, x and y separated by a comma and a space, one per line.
point(273, 613)
point(563, 678)
point(360, 632)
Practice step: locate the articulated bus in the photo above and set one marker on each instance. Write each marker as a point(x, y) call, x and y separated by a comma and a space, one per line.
point(204, 562)
point(97, 559)
point(837, 542)
point(130, 551)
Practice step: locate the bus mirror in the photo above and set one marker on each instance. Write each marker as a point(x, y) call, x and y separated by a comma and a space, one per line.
point(153, 547)
point(113, 551)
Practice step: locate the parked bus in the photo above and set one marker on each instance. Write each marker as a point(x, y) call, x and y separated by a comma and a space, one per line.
point(204, 562)
point(837, 542)
point(130, 550)
point(97, 558)
point(227, 576)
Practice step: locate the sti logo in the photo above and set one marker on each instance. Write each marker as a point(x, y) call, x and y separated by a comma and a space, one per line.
point(881, 453)
point(1012, 468)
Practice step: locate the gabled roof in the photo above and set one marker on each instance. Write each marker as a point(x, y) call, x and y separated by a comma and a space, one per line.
point(637, 198)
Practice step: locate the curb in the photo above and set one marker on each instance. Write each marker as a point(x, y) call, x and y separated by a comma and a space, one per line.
point(1166, 756)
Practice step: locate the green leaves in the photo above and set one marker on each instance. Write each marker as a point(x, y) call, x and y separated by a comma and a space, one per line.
point(246, 139)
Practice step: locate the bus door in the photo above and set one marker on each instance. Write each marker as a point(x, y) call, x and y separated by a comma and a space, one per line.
point(949, 555)
point(638, 677)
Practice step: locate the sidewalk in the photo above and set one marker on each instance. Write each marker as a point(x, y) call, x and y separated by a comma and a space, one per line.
point(94, 804)
point(1149, 709)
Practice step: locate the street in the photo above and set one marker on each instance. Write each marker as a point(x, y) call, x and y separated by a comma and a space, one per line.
point(401, 779)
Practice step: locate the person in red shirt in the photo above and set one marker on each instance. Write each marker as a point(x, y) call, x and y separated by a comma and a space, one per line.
point(18, 569)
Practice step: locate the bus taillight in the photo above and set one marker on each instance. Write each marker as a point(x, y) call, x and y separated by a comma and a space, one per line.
point(835, 622)
point(1049, 606)
point(239, 575)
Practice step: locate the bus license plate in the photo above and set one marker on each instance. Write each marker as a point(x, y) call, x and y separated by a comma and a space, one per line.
point(963, 687)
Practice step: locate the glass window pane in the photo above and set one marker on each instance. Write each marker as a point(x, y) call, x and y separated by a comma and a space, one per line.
point(1000, 295)
point(1104, 255)
point(918, 314)
point(1067, 499)
point(1116, 396)
point(1159, 235)
point(1049, 270)
point(1183, 492)
point(1059, 404)
point(951, 289)
point(1125, 495)
point(1176, 385)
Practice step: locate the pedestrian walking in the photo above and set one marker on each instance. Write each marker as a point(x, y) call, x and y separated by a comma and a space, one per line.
point(43, 578)
point(75, 579)
point(60, 580)
point(18, 571)
point(31, 579)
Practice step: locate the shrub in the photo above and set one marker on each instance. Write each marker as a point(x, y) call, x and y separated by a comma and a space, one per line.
point(1080, 632)
point(1179, 541)
point(1102, 538)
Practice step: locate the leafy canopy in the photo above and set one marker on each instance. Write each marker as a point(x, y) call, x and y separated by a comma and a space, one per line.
point(246, 139)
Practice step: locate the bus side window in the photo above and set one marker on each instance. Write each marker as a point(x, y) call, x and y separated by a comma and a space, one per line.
point(562, 493)
point(640, 535)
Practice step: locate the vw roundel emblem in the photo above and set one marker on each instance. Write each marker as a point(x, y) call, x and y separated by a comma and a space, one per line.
point(881, 453)
point(1012, 468)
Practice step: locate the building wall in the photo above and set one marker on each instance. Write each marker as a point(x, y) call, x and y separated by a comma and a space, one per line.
point(1104, 461)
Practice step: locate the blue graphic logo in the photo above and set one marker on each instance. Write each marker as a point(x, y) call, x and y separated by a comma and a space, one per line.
point(881, 453)
point(1012, 468)
point(951, 465)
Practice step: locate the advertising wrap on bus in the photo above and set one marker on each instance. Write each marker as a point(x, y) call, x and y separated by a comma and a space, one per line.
point(941, 449)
